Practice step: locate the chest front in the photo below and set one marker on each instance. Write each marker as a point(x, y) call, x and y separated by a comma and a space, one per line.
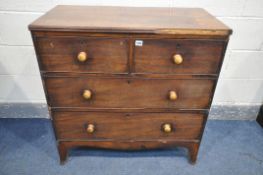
point(121, 79)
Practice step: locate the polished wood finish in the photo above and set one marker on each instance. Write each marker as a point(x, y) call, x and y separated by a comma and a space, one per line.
point(129, 78)
point(127, 126)
point(199, 56)
point(129, 145)
point(103, 55)
point(129, 93)
point(190, 21)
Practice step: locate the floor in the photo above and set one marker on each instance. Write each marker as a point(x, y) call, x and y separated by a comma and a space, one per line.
point(27, 147)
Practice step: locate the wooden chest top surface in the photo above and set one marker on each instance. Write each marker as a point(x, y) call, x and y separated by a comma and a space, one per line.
point(185, 21)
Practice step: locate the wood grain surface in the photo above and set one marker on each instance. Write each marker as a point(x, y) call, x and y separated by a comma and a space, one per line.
point(192, 146)
point(127, 126)
point(129, 93)
point(199, 56)
point(192, 21)
point(103, 55)
point(128, 84)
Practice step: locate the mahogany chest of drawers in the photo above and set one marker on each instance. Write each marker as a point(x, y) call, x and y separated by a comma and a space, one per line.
point(129, 78)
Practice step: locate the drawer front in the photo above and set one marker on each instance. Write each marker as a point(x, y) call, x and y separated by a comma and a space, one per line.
point(121, 126)
point(93, 55)
point(178, 56)
point(129, 93)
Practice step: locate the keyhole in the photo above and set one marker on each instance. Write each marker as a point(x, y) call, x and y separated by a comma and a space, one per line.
point(178, 45)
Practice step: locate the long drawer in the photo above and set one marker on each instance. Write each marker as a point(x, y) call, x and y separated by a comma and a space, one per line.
point(94, 92)
point(83, 54)
point(127, 126)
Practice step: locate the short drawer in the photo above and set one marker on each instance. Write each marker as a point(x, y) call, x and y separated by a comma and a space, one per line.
point(95, 92)
point(126, 126)
point(168, 56)
point(77, 54)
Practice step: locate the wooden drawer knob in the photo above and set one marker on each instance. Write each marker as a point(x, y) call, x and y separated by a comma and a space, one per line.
point(82, 56)
point(172, 95)
point(87, 94)
point(177, 59)
point(167, 128)
point(90, 128)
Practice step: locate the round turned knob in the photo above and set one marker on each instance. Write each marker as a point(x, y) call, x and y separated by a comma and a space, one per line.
point(177, 59)
point(172, 95)
point(167, 128)
point(82, 56)
point(90, 128)
point(87, 94)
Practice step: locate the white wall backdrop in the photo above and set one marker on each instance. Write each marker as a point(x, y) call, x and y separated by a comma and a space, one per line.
point(241, 80)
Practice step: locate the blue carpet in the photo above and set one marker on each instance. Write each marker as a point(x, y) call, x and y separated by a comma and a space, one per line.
point(27, 146)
